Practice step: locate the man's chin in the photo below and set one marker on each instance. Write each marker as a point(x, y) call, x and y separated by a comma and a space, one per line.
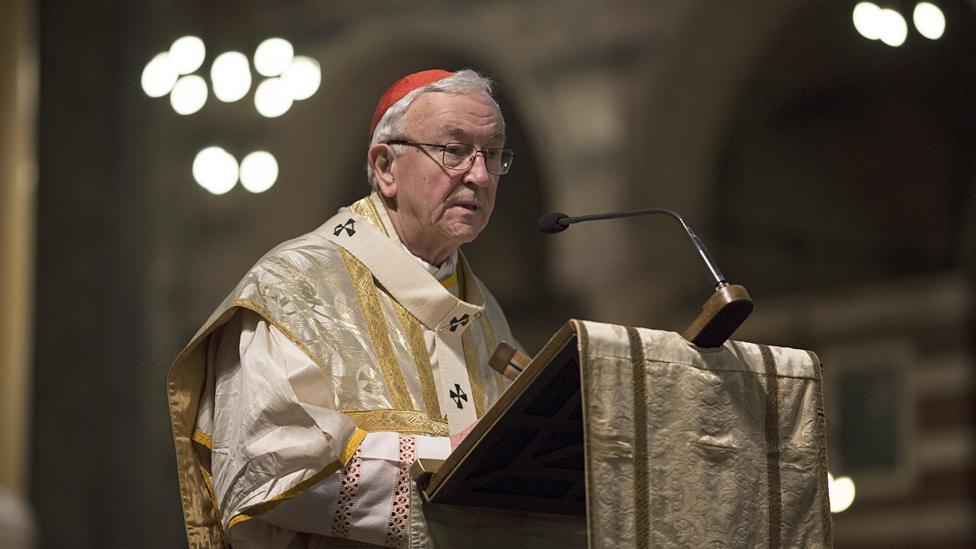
point(463, 233)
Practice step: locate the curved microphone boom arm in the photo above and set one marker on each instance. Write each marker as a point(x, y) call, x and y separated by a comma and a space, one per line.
point(725, 310)
point(556, 222)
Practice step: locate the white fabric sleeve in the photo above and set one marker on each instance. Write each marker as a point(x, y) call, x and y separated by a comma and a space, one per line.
point(363, 501)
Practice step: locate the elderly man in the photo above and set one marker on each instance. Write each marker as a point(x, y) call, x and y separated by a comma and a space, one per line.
point(347, 353)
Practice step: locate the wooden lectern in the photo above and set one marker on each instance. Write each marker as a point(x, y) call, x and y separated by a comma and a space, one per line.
point(623, 437)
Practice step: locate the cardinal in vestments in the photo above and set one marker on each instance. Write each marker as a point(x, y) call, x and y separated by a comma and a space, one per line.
point(347, 353)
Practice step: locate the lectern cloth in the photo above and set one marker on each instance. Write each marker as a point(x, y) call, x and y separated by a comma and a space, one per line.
point(692, 447)
point(393, 349)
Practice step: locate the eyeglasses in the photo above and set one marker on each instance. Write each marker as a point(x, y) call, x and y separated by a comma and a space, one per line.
point(461, 156)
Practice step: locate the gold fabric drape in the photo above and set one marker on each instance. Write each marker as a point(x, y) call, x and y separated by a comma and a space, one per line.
point(691, 447)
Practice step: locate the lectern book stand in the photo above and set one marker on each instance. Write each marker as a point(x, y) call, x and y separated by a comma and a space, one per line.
point(526, 453)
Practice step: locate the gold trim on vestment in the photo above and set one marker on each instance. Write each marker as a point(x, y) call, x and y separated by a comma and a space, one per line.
point(490, 345)
point(408, 422)
point(354, 441)
point(365, 208)
point(183, 385)
point(369, 305)
point(203, 438)
point(450, 281)
point(471, 362)
point(490, 341)
point(213, 494)
point(473, 366)
point(374, 215)
point(359, 208)
point(421, 358)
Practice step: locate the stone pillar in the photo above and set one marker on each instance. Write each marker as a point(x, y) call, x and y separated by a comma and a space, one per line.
point(18, 79)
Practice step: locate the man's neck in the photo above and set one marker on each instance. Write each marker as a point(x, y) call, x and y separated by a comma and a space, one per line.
point(431, 254)
point(433, 257)
point(440, 272)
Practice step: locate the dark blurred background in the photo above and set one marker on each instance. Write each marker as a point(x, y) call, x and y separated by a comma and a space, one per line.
point(830, 173)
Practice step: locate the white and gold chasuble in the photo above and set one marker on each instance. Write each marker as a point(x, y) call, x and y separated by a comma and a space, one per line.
point(390, 349)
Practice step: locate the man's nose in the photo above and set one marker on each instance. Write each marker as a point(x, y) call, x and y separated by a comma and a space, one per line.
point(478, 172)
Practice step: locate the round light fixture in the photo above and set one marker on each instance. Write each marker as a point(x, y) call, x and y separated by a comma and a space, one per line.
point(215, 170)
point(929, 20)
point(272, 98)
point(894, 28)
point(159, 76)
point(273, 56)
point(189, 94)
point(867, 20)
point(841, 491)
point(187, 53)
point(231, 76)
point(259, 171)
point(302, 77)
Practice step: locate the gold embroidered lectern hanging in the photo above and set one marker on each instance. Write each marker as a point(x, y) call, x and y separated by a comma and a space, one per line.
point(690, 447)
point(677, 446)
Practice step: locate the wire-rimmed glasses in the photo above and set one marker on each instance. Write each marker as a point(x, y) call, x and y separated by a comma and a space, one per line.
point(461, 156)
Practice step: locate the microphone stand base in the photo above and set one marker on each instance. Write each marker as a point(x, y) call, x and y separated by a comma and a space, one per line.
point(721, 315)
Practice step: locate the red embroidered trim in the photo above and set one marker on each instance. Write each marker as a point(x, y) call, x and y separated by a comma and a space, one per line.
point(396, 528)
point(351, 477)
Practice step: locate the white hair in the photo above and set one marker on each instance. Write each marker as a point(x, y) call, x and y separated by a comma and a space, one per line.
point(390, 125)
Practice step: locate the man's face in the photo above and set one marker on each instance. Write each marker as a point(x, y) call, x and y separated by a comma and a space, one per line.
point(439, 209)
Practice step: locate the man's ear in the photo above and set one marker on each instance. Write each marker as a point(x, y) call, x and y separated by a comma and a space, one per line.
point(382, 159)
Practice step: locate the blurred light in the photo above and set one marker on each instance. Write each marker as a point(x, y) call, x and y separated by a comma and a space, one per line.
point(272, 98)
point(841, 491)
point(867, 20)
point(259, 171)
point(929, 20)
point(302, 77)
point(189, 94)
point(215, 170)
point(231, 76)
point(894, 28)
point(159, 76)
point(187, 54)
point(273, 56)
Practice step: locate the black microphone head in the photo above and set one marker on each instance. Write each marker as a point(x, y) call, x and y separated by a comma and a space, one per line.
point(550, 223)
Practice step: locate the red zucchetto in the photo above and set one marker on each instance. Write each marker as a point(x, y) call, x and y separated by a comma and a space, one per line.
point(401, 88)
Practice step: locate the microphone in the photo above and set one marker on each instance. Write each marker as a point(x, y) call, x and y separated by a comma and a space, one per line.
point(552, 222)
point(557, 222)
point(724, 311)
